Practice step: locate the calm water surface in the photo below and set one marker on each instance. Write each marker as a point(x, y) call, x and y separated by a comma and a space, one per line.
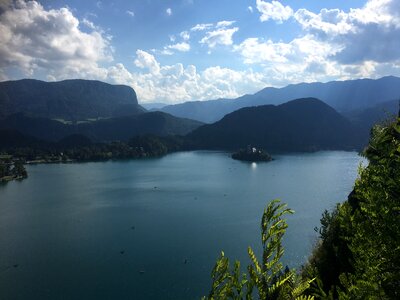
point(152, 229)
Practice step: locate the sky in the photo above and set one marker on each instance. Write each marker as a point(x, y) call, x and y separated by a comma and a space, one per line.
point(175, 51)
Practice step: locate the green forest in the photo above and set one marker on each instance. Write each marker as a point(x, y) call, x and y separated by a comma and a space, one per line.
point(358, 252)
point(77, 148)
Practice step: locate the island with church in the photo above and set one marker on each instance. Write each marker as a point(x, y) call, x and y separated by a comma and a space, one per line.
point(252, 154)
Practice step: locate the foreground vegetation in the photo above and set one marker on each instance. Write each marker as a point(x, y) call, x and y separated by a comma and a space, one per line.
point(266, 279)
point(358, 253)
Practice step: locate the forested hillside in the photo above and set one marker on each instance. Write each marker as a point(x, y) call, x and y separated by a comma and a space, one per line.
point(299, 125)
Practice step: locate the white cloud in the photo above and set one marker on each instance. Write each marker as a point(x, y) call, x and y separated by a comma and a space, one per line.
point(255, 51)
point(89, 24)
point(222, 24)
point(328, 21)
point(219, 37)
point(172, 38)
point(177, 83)
point(201, 27)
point(168, 11)
point(273, 10)
point(250, 9)
point(302, 59)
point(3, 76)
point(119, 74)
point(228, 83)
point(220, 34)
point(183, 47)
point(34, 39)
point(145, 60)
point(185, 35)
point(210, 34)
point(370, 33)
point(130, 13)
point(165, 51)
point(335, 44)
point(383, 12)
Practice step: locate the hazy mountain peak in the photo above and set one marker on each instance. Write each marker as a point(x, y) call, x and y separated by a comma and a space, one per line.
point(344, 96)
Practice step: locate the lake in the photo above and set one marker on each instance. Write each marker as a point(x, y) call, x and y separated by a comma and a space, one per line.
point(152, 229)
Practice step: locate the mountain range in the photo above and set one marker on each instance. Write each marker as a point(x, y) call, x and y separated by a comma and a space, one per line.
point(344, 96)
point(103, 112)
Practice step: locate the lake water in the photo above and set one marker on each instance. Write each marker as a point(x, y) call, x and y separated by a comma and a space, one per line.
point(152, 229)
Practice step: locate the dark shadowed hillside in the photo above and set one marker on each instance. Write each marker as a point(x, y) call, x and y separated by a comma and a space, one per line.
point(14, 138)
point(121, 128)
point(299, 125)
point(379, 113)
point(344, 96)
point(70, 100)
point(157, 123)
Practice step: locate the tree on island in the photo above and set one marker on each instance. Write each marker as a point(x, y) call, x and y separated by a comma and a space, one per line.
point(252, 154)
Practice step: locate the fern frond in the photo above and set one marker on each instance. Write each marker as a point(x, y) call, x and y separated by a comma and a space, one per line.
point(254, 260)
point(304, 297)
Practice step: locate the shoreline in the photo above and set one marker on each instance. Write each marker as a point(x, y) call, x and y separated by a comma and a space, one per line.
point(6, 179)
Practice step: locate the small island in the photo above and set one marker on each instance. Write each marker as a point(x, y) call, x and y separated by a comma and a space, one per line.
point(252, 154)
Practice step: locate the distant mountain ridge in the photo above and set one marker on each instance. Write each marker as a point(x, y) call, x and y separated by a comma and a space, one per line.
point(299, 125)
point(153, 105)
point(70, 100)
point(344, 96)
